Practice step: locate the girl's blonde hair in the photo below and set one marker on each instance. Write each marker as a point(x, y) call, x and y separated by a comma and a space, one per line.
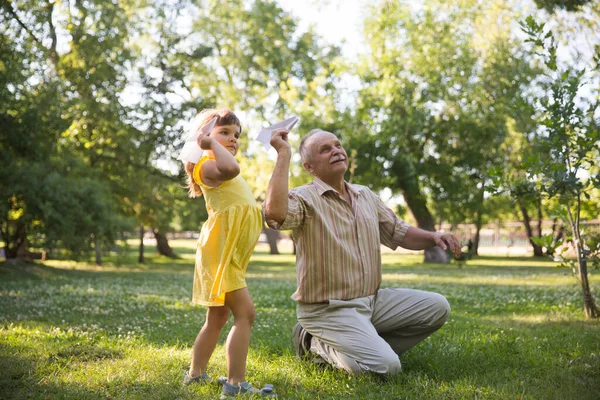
point(224, 117)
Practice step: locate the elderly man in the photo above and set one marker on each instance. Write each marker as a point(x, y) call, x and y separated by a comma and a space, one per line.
point(343, 315)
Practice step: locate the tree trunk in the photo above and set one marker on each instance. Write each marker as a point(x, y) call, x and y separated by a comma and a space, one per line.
point(22, 251)
point(478, 223)
point(162, 244)
point(540, 216)
point(475, 243)
point(141, 255)
point(537, 250)
point(589, 306)
point(417, 205)
point(436, 255)
point(98, 250)
point(558, 231)
point(10, 252)
point(273, 237)
point(16, 243)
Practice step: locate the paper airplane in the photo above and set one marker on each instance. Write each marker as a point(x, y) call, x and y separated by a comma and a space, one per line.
point(191, 151)
point(265, 135)
point(193, 136)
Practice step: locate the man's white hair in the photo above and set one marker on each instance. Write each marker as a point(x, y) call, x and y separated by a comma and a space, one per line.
point(304, 153)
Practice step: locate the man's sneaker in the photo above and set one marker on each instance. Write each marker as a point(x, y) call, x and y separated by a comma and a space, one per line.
point(301, 340)
point(244, 388)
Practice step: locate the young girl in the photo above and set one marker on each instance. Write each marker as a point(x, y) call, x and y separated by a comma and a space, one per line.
point(226, 242)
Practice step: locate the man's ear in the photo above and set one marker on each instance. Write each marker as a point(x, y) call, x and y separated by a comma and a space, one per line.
point(307, 166)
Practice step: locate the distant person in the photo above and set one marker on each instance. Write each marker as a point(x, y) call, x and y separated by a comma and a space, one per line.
point(226, 242)
point(344, 317)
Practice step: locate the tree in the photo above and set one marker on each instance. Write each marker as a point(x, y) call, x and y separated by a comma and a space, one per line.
point(567, 146)
point(89, 70)
point(569, 5)
point(434, 106)
point(50, 198)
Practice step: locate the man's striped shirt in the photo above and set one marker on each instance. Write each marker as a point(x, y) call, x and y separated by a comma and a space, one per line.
point(338, 253)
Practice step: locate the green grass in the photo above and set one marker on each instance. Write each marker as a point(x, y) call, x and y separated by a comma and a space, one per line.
point(76, 331)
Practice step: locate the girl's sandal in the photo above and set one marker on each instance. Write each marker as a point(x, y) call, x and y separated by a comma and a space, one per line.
point(244, 388)
point(202, 379)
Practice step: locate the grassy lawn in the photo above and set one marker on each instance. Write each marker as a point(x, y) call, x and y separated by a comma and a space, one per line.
point(76, 331)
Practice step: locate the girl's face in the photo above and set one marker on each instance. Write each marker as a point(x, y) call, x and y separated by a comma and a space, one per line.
point(227, 136)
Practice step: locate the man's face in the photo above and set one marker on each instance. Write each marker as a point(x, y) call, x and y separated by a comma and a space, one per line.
point(326, 156)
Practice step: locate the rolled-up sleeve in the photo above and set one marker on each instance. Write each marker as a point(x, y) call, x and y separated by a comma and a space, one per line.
point(296, 213)
point(391, 228)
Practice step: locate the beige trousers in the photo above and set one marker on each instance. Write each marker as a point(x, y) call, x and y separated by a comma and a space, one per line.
point(368, 333)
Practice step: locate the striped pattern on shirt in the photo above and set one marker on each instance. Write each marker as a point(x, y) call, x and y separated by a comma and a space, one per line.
point(338, 253)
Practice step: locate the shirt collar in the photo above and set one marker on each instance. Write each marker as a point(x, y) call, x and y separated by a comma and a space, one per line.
point(323, 187)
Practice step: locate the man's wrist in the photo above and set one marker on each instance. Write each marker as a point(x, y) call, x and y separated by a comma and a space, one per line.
point(284, 151)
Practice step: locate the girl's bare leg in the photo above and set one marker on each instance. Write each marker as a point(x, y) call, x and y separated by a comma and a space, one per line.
point(206, 341)
point(238, 340)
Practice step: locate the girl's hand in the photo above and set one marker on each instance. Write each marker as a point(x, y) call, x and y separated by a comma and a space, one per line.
point(205, 141)
point(279, 140)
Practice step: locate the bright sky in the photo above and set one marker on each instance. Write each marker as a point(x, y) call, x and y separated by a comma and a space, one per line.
point(335, 21)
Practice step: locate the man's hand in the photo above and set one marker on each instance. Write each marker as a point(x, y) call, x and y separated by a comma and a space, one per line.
point(276, 202)
point(279, 140)
point(445, 240)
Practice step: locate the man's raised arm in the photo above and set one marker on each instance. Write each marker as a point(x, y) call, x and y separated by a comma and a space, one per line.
point(276, 203)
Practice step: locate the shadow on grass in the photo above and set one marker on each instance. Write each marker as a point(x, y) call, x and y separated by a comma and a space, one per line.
point(33, 388)
point(20, 378)
point(14, 370)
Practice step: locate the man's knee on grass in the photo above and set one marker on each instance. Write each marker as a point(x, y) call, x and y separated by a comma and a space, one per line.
point(441, 309)
point(386, 363)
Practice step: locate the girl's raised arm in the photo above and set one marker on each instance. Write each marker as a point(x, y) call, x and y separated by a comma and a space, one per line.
point(223, 168)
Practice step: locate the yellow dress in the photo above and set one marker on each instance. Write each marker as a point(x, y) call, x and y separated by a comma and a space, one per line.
point(227, 239)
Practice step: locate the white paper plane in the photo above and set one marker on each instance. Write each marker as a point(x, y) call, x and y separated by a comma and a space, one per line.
point(265, 135)
point(193, 136)
point(191, 151)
